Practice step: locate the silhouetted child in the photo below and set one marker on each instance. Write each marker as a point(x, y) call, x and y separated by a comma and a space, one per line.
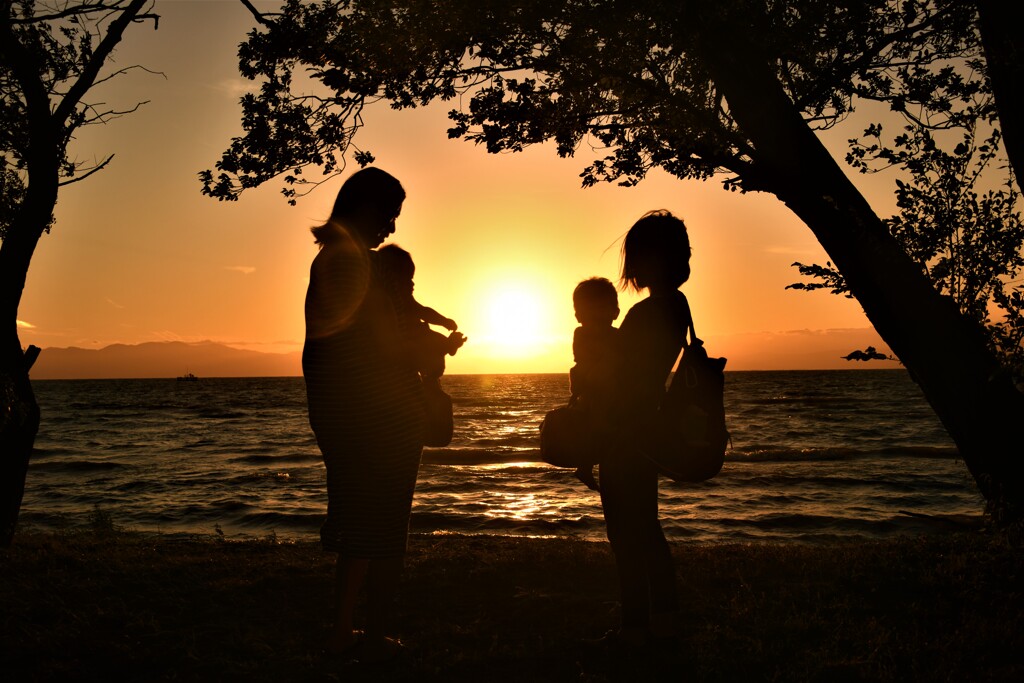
point(429, 347)
point(595, 352)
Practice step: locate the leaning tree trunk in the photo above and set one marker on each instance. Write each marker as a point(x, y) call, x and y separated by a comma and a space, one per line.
point(1004, 55)
point(946, 354)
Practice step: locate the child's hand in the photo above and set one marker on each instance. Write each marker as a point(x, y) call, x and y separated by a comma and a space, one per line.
point(450, 325)
point(455, 342)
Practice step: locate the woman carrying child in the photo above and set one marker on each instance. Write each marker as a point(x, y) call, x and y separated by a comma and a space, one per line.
point(655, 259)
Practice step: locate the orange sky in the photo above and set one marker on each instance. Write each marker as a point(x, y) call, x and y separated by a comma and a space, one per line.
point(137, 254)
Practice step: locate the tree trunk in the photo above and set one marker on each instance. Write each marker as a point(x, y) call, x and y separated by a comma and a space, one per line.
point(946, 354)
point(19, 412)
point(19, 423)
point(1004, 55)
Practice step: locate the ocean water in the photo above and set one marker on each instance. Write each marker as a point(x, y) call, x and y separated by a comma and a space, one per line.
point(815, 456)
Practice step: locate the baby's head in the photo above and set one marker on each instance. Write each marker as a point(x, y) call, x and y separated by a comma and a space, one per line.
point(596, 302)
point(397, 265)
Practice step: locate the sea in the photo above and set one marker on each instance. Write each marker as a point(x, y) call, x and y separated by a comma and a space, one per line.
point(815, 457)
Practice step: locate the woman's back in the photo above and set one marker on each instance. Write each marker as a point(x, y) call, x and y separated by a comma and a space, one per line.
point(651, 336)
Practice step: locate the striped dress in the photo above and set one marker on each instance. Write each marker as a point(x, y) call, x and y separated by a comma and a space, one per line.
point(365, 406)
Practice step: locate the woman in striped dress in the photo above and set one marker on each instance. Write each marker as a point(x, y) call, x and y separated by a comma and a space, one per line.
point(365, 408)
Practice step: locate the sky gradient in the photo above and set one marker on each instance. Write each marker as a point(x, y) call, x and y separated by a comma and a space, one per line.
point(138, 254)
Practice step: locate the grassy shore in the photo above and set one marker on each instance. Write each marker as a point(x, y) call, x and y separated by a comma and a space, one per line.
point(119, 606)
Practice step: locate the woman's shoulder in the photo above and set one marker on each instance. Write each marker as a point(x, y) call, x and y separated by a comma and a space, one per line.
point(672, 302)
point(341, 254)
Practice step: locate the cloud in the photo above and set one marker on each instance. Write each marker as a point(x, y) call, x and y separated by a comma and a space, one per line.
point(167, 335)
point(244, 270)
point(793, 251)
point(27, 326)
point(233, 87)
point(114, 303)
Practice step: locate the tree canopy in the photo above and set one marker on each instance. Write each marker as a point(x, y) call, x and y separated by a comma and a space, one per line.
point(628, 80)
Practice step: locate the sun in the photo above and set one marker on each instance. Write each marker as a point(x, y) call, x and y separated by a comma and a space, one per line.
point(516, 319)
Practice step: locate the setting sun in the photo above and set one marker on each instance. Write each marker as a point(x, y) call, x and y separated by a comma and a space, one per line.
point(517, 320)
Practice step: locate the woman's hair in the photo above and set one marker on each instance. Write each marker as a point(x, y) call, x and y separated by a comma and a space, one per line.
point(660, 240)
point(367, 187)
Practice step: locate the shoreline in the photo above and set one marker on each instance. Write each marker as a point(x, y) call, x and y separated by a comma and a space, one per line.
point(107, 604)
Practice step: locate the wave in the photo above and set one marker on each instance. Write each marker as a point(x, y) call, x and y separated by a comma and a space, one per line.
point(478, 456)
point(433, 522)
point(805, 400)
point(77, 466)
point(830, 454)
point(488, 456)
point(289, 520)
point(260, 459)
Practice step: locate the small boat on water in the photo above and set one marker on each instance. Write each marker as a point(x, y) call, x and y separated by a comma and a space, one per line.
point(188, 377)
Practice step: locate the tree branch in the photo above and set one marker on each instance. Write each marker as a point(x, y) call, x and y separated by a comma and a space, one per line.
point(260, 17)
point(89, 74)
point(96, 169)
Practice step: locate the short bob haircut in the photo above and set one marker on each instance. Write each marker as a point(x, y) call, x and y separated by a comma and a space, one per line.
point(658, 240)
point(368, 187)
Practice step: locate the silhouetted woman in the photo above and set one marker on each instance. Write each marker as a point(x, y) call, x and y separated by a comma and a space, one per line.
point(364, 407)
point(655, 259)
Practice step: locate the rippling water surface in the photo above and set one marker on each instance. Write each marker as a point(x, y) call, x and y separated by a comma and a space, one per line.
point(815, 456)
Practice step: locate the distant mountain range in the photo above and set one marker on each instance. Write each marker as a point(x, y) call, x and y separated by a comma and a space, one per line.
point(163, 359)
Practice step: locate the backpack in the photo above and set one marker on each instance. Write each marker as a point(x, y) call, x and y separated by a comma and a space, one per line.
point(686, 438)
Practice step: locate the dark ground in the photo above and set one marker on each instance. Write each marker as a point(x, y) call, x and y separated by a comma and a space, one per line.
point(102, 604)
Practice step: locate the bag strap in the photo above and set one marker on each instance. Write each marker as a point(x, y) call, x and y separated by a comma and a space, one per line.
point(693, 341)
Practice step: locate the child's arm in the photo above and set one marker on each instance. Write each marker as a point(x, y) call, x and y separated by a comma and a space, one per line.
point(432, 317)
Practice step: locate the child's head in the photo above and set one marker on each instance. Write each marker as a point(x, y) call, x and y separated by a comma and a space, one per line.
point(596, 302)
point(397, 266)
point(656, 252)
point(397, 262)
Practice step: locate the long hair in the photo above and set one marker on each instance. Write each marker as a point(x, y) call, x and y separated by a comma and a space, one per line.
point(367, 187)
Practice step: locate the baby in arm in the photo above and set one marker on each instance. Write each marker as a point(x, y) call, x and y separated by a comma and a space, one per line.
point(595, 352)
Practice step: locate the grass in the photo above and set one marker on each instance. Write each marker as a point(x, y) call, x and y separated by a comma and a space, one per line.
point(109, 604)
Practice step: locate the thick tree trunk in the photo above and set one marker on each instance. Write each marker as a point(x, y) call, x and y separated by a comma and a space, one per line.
point(1004, 54)
point(945, 353)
